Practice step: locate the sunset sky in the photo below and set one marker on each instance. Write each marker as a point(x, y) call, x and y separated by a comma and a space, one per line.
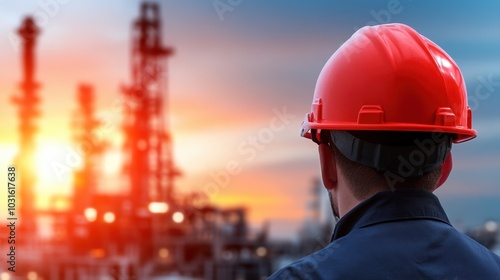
point(234, 72)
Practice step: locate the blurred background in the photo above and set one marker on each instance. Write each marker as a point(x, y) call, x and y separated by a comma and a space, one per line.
point(161, 139)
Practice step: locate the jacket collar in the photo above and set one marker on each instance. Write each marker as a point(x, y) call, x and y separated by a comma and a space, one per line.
point(389, 206)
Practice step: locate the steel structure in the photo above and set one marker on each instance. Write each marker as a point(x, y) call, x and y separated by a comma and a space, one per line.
point(150, 231)
point(90, 145)
point(149, 161)
point(27, 102)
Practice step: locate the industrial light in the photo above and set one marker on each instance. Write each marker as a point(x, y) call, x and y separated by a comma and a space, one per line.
point(109, 217)
point(261, 251)
point(90, 214)
point(32, 275)
point(178, 217)
point(491, 226)
point(4, 276)
point(163, 253)
point(98, 253)
point(158, 207)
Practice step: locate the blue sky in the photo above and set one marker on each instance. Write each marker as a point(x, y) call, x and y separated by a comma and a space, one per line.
point(232, 69)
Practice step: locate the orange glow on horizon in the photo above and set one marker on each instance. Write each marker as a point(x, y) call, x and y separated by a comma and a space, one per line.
point(210, 112)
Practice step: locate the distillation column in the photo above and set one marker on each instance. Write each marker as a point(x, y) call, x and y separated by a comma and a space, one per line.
point(85, 126)
point(27, 102)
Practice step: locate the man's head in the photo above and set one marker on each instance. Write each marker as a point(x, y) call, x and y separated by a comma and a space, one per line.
point(397, 161)
point(386, 108)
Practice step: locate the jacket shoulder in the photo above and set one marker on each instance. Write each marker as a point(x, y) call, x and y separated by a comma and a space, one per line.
point(317, 265)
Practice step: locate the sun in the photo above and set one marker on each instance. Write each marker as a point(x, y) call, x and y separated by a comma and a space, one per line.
point(55, 163)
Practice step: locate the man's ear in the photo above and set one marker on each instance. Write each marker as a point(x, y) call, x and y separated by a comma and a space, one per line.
point(328, 166)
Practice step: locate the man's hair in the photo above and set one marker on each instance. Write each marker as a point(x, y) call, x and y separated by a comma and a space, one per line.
point(364, 180)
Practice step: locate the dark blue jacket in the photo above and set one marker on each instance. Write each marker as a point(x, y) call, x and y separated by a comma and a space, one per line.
point(403, 234)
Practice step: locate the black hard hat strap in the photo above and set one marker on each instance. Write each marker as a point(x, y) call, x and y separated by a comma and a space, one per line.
point(406, 161)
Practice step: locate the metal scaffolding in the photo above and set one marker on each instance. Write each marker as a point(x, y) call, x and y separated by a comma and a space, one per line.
point(148, 146)
point(151, 231)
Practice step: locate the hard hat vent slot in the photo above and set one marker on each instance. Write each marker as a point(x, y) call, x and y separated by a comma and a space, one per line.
point(371, 114)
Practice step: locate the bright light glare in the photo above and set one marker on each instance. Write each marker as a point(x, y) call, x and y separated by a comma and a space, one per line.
point(90, 214)
point(32, 275)
point(443, 61)
point(178, 217)
point(163, 253)
point(98, 253)
point(112, 162)
point(4, 276)
point(52, 155)
point(158, 207)
point(7, 154)
point(261, 251)
point(109, 217)
point(491, 226)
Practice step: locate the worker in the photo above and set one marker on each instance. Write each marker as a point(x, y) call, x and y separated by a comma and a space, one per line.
point(387, 107)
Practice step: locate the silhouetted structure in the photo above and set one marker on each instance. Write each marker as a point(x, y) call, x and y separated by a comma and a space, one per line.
point(148, 150)
point(149, 231)
point(90, 146)
point(28, 112)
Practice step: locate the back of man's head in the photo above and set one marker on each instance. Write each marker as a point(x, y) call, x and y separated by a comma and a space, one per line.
point(389, 103)
point(410, 150)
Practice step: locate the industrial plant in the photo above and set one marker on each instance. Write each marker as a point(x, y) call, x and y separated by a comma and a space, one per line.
point(151, 229)
point(150, 232)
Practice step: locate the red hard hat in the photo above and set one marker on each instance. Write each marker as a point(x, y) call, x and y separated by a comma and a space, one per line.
point(390, 78)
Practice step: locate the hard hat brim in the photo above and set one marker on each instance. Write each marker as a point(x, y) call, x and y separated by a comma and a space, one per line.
point(462, 134)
